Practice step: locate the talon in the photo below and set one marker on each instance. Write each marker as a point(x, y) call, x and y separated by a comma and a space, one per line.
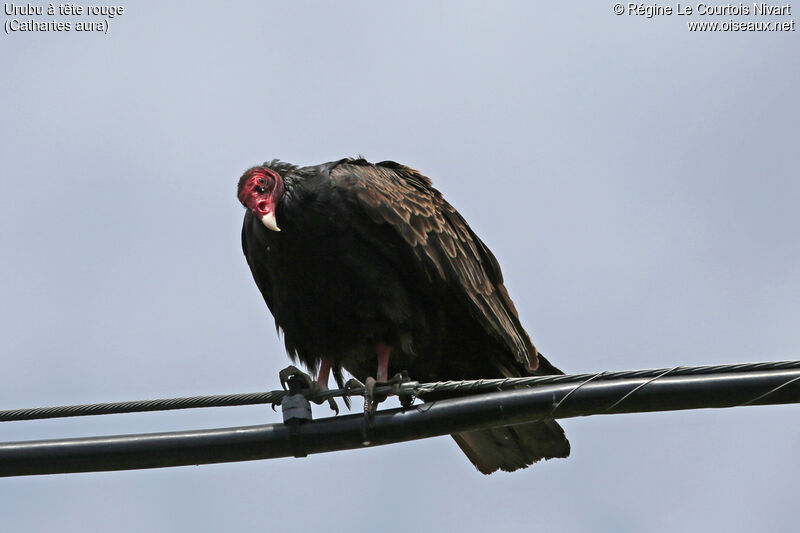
point(348, 387)
point(298, 382)
point(351, 384)
point(291, 371)
point(333, 406)
point(369, 397)
point(318, 388)
point(396, 381)
point(406, 400)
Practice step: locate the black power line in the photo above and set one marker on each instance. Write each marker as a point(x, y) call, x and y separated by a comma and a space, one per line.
point(597, 394)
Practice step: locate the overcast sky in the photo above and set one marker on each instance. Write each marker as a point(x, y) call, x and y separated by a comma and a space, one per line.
point(638, 183)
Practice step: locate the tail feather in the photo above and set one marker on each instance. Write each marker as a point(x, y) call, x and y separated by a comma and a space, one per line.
point(510, 448)
point(513, 447)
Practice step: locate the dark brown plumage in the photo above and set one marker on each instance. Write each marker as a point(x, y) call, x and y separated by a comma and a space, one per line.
point(351, 256)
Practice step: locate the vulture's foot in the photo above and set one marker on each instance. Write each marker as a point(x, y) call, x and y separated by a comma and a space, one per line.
point(372, 399)
point(405, 399)
point(300, 379)
point(296, 381)
point(349, 385)
point(319, 388)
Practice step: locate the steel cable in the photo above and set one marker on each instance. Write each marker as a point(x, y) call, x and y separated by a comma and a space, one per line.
point(413, 388)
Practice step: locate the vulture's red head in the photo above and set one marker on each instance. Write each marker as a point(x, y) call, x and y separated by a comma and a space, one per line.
point(259, 191)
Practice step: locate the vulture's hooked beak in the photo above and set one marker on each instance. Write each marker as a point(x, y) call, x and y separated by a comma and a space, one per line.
point(269, 221)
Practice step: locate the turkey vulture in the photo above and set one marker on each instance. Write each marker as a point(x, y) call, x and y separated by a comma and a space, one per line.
point(367, 266)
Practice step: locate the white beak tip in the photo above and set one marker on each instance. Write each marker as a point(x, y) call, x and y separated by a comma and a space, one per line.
point(269, 221)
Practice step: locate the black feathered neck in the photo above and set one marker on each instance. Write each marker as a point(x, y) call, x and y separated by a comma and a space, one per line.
point(281, 167)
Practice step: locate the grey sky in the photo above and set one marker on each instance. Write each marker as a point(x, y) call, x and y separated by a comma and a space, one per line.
point(638, 183)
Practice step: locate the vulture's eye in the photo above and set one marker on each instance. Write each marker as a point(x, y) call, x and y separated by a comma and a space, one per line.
point(261, 181)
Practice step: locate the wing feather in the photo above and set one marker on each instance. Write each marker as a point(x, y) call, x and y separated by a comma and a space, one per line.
point(441, 239)
point(255, 261)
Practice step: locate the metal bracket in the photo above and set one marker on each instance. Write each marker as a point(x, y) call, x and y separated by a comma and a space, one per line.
point(296, 410)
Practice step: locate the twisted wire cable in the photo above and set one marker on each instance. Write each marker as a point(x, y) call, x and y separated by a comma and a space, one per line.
point(412, 388)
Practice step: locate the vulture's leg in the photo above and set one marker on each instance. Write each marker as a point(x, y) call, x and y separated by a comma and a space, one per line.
point(383, 361)
point(322, 382)
point(313, 386)
point(371, 399)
